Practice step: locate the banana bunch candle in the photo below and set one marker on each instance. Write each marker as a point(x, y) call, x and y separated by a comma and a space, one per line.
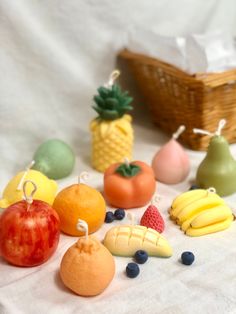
point(112, 132)
point(199, 212)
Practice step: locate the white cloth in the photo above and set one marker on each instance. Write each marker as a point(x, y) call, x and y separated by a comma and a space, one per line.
point(196, 53)
point(53, 56)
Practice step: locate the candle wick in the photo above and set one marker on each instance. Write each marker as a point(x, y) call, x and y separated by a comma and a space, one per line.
point(126, 161)
point(156, 199)
point(180, 130)
point(83, 177)
point(204, 132)
point(83, 226)
point(19, 187)
point(29, 198)
point(211, 190)
point(221, 125)
point(113, 76)
point(131, 217)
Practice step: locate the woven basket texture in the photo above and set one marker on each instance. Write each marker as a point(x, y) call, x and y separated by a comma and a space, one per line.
point(175, 97)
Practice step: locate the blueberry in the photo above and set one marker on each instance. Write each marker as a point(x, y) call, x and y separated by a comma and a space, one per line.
point(141, 256)
point(119, 214)
point(132, 270)
point(187, 258)
point(194, 187)
point(109, 217)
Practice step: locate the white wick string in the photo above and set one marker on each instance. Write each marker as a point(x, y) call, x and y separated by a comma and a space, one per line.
point(83, 177)
point(83, 226)
point(29, 198)
point(113, 76)
point(19, 187)
point(131, 217)
point(126, 161)
point(221, 125)
point(211, 190)
point(180, 130)
point(156, 199)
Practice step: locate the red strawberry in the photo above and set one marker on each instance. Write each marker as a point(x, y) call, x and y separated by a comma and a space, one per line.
point(153, 219)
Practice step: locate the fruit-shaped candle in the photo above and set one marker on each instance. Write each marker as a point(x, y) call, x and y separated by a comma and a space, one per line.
point(112, 132)
point(13, 192)
point(200, 212)
point(80, 201)
point(87, 267)
point(129, 184)
point(152, 217)
point(218, 168)
point(29, 231)
point(171, 163)
point(126, 240)
point(55, 159)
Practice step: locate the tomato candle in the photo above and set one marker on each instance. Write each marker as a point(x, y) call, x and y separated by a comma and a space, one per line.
point(129, 185)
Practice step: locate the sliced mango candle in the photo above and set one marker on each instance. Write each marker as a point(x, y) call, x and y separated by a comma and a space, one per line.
point(125, 240)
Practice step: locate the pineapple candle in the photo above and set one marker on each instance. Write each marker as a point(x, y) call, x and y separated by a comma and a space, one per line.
point(112, 132)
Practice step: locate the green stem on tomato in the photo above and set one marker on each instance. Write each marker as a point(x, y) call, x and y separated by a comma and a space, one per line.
point(128, 170)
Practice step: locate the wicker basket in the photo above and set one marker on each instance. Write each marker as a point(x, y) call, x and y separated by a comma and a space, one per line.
point(175, 97)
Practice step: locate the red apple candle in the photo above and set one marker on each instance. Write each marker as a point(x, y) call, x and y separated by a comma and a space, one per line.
point(29, 231)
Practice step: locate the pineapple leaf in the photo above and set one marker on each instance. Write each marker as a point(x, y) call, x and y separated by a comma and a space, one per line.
point(99, 101)
point(109, 115)
point(112, 103)
point(98, 109)
point(116, 89)
point(126, 101)
point(103, 91)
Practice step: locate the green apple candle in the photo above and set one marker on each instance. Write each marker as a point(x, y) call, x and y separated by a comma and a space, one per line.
point(218, 168)
point(54, 158)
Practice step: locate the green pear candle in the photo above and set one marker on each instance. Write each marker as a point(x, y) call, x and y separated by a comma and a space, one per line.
point(218, 168)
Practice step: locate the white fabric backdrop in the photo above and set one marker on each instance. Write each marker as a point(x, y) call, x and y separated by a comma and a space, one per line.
point(55, 53)
point(53, 56)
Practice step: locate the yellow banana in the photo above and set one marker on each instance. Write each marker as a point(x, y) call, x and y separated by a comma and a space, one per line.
point(186, 196)
point(210, 201)
point(186, 224)
point(189, 199)
point(211, 216)
point(196, 232)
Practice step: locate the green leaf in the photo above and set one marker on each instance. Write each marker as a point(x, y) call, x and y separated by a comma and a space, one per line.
point(128, 108)
point(112, 103)
point(99, 101)
point(128, 170)
point(135, 170)
point(109, 115)
point(103, 92)
point(115, 89)
point(127, 101)
point(99, 110)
